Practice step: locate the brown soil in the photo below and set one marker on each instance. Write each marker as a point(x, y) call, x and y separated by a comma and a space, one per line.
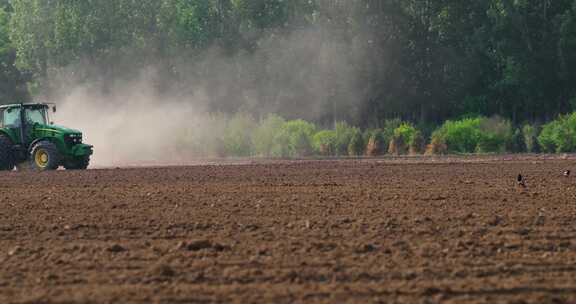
point(302, 231)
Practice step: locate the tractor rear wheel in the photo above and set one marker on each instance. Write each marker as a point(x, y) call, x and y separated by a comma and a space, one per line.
point(6, 157)
point(45, 156)
point(80, 163)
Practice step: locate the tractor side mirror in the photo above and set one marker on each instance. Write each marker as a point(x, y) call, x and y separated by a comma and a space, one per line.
point(54, 109)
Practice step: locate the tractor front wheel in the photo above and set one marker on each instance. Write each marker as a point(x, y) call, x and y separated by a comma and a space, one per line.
point(80, 163)
point(6, 157)
point(45, 156)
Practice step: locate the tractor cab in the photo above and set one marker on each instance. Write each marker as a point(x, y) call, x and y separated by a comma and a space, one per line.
point(11, 116)
point(22, 118)
point(28, 136)
point(37, 113)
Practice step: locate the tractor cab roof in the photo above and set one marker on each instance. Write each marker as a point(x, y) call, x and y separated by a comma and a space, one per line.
point(26, 105)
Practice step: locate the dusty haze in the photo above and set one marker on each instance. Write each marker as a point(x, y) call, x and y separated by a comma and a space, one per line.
point(307, 74)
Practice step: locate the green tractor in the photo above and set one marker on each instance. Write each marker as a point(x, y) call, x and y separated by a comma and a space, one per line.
point(29, 140)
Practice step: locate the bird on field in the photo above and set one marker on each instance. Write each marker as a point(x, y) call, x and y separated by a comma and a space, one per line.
point(520, 181)
point(567, 173)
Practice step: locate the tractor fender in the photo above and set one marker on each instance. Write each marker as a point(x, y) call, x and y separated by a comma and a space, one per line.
point(37, 140)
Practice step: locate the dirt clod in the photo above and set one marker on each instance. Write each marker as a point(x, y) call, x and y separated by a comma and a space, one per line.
point(163, 270)
point(116, 248)
point(366, 248)
point(198, 245)
point(15, 251)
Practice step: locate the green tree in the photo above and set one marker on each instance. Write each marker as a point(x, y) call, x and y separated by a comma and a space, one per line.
point(359, 61)
point(12, 81)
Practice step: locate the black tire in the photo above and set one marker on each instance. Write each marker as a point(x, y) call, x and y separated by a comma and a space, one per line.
point(6, 154)
point(80, 163)
point(45, 156)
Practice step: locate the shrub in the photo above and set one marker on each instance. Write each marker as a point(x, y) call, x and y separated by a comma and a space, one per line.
point(390, 126)
point(294, 139)
point(566, 140)
point(489, 143)
point(546, 138)
point(406, 131)
point(517, 142)
point(530, 134)
point(280, 145)
point(207, 138)
point(324, 142)
point(559, 135)
point(495, 135)
point(376, 144)
point(471, 135)
point(416, 144)
point(397, 146)
point(237, 135)
point(401, 138)
point(344, 133)
point(263, 137)
point(367, 134)
point(437, 145)
point(461, 136)
point(356, 145)
point(301, 144)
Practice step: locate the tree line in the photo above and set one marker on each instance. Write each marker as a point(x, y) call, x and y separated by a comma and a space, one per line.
point(362, 61)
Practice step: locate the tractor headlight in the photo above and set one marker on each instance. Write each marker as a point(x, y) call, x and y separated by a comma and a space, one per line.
point(73, 139)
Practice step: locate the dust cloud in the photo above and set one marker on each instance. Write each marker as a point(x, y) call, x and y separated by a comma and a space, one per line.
point(306, 74)
point(134, 126)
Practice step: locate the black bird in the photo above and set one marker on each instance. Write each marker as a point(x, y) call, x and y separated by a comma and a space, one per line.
point(520, 181)
point(567, 173)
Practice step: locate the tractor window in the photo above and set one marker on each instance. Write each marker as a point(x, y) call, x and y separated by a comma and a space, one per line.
point(12, 118)
point(35, 115)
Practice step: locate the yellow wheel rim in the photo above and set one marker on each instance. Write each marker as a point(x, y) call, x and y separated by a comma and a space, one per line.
point(41, 158)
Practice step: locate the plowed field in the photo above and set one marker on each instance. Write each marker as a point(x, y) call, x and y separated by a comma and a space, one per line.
point(295, 231)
